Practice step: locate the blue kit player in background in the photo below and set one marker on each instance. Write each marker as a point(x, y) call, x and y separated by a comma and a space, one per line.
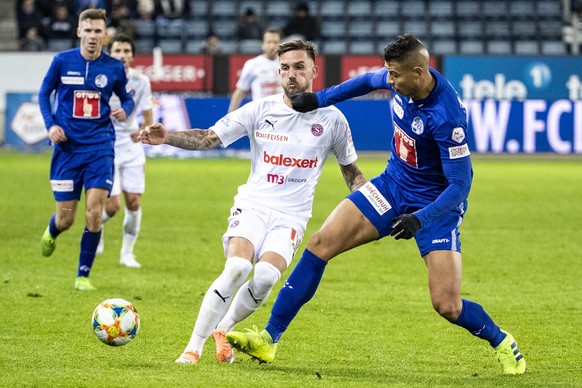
point(422, 193)
point(79, 126)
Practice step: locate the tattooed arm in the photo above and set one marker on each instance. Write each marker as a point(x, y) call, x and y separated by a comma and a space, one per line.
point(193, 139)
point(353, 176)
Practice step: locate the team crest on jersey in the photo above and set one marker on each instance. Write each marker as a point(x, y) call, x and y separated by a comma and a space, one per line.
point(101, 80)
point(458, 135)
point(316, 129)
point(86, 104)
point(417, 126)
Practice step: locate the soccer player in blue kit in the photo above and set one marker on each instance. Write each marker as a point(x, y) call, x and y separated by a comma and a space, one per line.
point(422, 193)
point(80, 128)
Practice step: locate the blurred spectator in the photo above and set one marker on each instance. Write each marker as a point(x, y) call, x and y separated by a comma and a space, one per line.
point(211, 45)
point(171, 9)
point(62, 25)
point(145, 9)
point(122, 15)
point(46, 7)
point(28, 16)
point(32, 41)
point(303, 25)
point(84, 4)
point(250, 26)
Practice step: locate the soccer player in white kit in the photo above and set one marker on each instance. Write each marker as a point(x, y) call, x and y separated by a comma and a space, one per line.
point(260, 75)
point(129, 154)
point(271, 210)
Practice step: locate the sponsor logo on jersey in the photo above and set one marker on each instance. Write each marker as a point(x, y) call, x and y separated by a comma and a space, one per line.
point(398, 110)
point(376, 199)
point(316, 129)
point(398, 99)
point(72, 80)
point(234, 224)
point(86, 104)
point(62, 186)
point(101, 80)
point(458, 135)
point(225, 121)
point(405, 146)
point(295, 240)
point(459, 152)
point(278, 179)
point(271, 123)
point(440, 241)
point(71, 72)
point(417, 126)
point(275, 137)
point(286, 161)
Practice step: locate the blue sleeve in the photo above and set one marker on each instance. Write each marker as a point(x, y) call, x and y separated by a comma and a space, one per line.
point(49, 84)
point(354, 87)
point(459, 173)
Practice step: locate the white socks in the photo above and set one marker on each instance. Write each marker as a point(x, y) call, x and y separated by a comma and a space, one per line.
point(251, 295)
point(131, 227)
point(217, 300)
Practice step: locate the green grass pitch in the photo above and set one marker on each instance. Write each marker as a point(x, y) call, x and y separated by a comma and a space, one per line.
point(370, 323)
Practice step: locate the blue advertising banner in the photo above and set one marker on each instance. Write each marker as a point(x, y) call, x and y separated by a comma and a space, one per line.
point(525, 126)
point(24, 124)
point(515, 78)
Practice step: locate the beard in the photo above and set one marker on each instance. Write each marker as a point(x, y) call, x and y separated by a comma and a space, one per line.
point(294, 89)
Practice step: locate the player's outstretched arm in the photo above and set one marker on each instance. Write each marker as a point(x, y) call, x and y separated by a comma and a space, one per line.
point(353, 176)
point(193, 139)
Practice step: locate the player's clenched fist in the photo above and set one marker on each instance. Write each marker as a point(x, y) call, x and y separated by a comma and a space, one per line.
point(153, 134)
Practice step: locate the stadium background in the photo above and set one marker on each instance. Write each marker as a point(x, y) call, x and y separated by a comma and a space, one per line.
point(510, 61)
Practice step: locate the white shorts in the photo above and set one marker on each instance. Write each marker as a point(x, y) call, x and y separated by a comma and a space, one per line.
point(130, 179)
point(267, 230)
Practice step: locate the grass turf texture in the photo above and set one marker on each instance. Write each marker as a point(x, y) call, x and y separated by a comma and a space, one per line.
point(370, 323)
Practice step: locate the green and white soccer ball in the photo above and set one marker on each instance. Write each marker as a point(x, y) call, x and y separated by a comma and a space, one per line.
point(115, 322)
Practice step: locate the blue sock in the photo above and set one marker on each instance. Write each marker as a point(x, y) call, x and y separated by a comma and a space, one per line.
point(89, 243)
point(298, 290)
point(53, 227)
point(474, 318)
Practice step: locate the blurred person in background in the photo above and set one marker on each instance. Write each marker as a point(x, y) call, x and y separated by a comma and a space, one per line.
point(32, 41)
point(80, 129)
point(27, 16)
point(249, 27)
point(62, 25)
point(129, 153)
point(302, 25)
point(260, 75)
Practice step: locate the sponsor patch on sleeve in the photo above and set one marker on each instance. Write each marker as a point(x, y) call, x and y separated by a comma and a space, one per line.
point(72, 80)
point(459, 151)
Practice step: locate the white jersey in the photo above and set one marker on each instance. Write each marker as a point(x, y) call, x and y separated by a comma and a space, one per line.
point(288, 150)
point(260, 75)
point(126, 150)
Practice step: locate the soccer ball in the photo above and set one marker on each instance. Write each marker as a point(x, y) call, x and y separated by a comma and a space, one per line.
point(115, 322)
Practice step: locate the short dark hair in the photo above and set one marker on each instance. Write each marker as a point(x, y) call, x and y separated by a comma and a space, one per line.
point(93, 14)
point(122, 38)
point(307, 46)
point(273, 30)
point(402, 48)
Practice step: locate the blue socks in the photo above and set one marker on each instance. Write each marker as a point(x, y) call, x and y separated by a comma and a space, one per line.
point(53, 227)
point(474, 318)
point(89, 243)
point(298, 290)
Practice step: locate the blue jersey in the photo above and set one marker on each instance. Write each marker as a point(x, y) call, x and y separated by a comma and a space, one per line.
point(430, 156)
point(83, 90)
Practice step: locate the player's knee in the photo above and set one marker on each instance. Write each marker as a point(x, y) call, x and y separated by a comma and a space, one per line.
point(132, 203)
point(264, 278)
point(236, 269)
point(112, 208)
point(65, 223)
point(448, 308)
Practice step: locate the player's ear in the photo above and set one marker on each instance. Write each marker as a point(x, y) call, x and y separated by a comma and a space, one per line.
point(315, 71)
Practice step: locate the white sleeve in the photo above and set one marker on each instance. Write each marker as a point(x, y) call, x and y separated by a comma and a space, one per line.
point(343, 145)
point(235, 125)
point(246, 76)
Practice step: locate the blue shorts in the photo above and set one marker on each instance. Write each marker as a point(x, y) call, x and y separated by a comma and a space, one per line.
point(70, 171)
point(381, 199)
